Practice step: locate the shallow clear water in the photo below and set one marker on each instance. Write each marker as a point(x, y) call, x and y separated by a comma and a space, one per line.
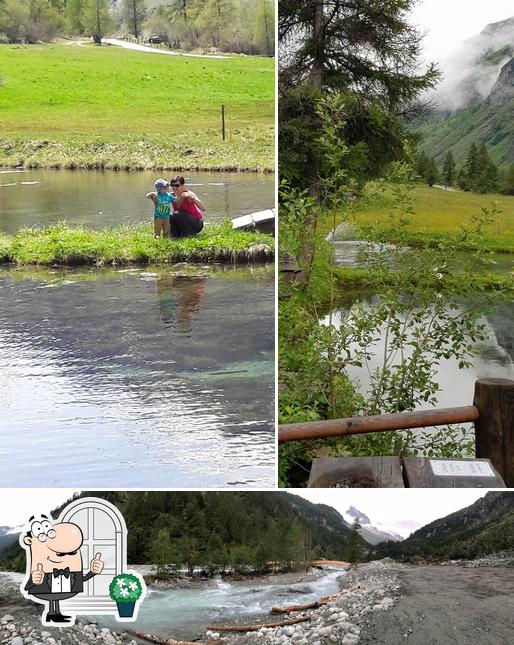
point(185, 613)
point(108, 198)
point(352, 253)
point(136, 377)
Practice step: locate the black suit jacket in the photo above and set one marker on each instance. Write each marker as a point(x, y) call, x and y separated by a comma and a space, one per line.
point(77, 583)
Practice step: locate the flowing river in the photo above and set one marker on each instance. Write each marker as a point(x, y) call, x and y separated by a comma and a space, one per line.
point(154, 377)
point(185, 613)
point(107, 198)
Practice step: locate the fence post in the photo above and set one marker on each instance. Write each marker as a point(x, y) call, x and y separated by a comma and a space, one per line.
point(223, 122)
point(494, 430)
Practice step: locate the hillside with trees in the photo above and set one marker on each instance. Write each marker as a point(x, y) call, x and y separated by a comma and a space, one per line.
point(239, 26)
point(485, 527)
point(221, 530)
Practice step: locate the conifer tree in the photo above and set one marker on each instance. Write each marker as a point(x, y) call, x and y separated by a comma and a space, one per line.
point(431, 174)
point(507, 181)
point(368, 52)
point(96, 19)
point(134, 12)
point(449, 169)
point(354, 548)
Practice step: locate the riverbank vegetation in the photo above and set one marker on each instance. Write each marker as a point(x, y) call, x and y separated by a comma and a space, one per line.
point(345, 155)
point(150, 111)
point(230, 25)
point(64, 245)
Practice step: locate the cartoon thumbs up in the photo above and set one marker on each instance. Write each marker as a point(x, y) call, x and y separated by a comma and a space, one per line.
point(96, 564)
point(38, 575)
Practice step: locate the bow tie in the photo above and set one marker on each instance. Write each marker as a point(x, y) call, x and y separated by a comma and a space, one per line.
point(62, 572)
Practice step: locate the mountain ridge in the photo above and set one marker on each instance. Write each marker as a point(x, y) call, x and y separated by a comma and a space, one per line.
point(475, 101)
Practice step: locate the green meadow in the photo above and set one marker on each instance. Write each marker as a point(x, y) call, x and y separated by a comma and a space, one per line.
point(437, 213)
point(73, 104)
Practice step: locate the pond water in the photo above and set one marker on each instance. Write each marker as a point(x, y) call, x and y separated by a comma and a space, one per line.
point(132, 377)
point(108, 198)
point(352, 253)
point(494, 359)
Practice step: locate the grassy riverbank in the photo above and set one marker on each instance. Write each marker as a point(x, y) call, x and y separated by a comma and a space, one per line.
point(63, 245)
point(437, 215)
point(354, 278)
point(133, 110)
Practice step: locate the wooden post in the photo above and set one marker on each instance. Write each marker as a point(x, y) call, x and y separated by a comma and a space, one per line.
point(223, 122)
point(494, 429)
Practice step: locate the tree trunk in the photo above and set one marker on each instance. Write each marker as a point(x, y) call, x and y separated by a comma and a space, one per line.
point(255, 628)
point(308, 237)
point(316, 75)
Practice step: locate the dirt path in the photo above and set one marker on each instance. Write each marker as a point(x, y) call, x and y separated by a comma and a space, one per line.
point(448, 605)
point(152, 50)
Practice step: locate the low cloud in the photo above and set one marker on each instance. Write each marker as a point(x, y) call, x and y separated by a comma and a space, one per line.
point(471, 71)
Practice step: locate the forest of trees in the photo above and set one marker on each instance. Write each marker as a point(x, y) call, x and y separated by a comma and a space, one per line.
point(218, 531)
point(478, 174)
point(240, 26)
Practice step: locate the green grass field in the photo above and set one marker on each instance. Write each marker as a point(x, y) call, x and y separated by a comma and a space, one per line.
point(69, 104)
point(439, 212)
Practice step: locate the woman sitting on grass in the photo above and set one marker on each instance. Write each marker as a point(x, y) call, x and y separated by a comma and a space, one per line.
point(187, 217)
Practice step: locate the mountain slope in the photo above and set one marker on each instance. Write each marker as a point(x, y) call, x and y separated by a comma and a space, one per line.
point(373, 534)
point(484, 527)
point(475, 102)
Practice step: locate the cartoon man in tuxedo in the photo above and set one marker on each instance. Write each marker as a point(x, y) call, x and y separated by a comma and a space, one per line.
point(56, 564)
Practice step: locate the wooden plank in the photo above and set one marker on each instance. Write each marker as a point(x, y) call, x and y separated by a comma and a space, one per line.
point(421, 472)
point(494, 430)
point(356, 472)
point(379, 423)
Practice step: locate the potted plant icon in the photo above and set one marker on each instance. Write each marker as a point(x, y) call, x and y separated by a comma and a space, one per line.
point(125, 589)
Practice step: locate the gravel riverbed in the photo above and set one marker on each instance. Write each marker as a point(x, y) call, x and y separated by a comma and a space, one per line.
point(342, 620)
point(20, 624)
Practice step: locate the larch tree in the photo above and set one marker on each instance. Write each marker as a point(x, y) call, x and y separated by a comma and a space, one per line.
point(365, 49)
point(449, 168)
point(134, 12)
point(97, 20)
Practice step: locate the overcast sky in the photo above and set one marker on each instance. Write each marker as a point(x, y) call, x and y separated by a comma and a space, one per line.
point(399, 510)
point(18, 504)
point(448, 23)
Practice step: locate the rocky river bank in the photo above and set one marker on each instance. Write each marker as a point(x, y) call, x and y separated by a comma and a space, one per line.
point(372, 587)
point(20, 624)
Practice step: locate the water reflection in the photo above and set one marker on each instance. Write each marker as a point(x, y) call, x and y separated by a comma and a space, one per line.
point(154, 378)
point(494, 358)
point(107, 198)
point(359, 253)
point(179, 299)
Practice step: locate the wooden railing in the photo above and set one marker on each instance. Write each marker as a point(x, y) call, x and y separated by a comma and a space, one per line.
point(492, 413)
